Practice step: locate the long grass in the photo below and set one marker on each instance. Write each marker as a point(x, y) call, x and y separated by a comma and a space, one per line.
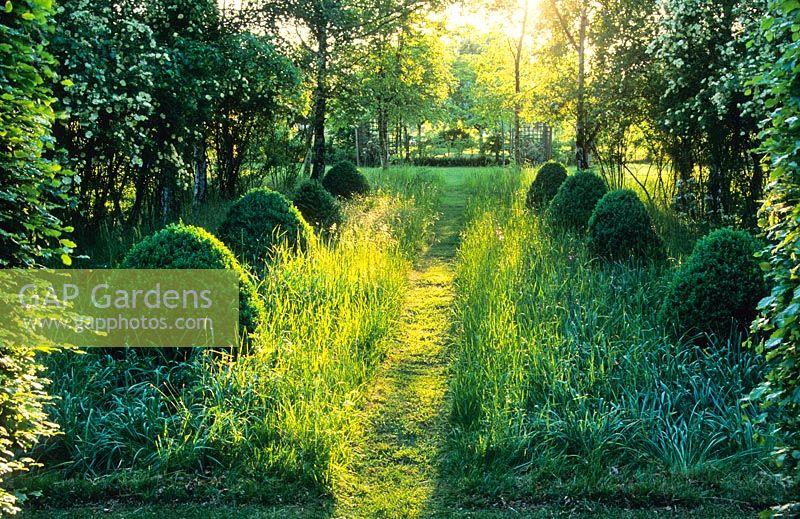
point(275, 424)
point(421, 188)
point(566, 383)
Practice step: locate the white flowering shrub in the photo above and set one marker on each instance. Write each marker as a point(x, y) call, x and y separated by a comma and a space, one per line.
point(704, 60)
point(154, 84)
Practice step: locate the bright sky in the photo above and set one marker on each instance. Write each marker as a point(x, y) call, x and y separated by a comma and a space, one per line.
point(459, 16)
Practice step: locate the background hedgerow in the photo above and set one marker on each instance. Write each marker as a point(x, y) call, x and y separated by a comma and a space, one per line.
point(545, 186)
point(259, 221)
point(575, 200)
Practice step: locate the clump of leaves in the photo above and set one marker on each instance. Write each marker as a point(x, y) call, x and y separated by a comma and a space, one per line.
point(575, 200)
point(545, 186)
point(718, 287)
point(621, 227)
point(317, 205)
point(186, 247)
point(345, 181)
point(261, 220)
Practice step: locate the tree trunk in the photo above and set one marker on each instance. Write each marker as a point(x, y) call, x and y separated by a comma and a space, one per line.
point(548, 142)
point(320, 101)
point(167, 199)
point(420, 149)
point(358, 149)
point(309, 156)
point(581, 144)
point(501, 143)
point(140, 185)
point(228, 161)
point(683, 168)
point(383, 136)
point(200, 174)
point(517, 89)
point(407, 143)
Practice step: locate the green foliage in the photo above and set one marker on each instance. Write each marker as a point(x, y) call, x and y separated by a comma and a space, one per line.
point(259, 221)
point(404, 79)
point(575, 200)
point(564, 381)
point(623, 105)
point(186, 247)
point(545, 186)
point(718, 287)
point(709, 124)
point(317, 205)
point(332, 28)
point(425, 188)
point(277, 423)
point(667, 76)
point(159, 89)
point(345, 181)
point(620, 227)
point(780, 220)
point(33, 188)
point(252, 112)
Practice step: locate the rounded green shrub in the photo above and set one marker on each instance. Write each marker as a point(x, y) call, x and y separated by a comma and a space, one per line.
point(181, 246)
point(718, 287)
point(259, 221)
point(575, 200)
point(545, 186)
point(345, 181)
point(620, 227)
point(317, 205)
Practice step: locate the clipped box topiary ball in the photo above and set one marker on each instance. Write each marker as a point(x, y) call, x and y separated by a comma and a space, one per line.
point(259, 221)
point(620, 227)
point(317, 205)
point(718, 287)
point(345, 181)
point(545, 186)
point(575, 200)
point(186, 247)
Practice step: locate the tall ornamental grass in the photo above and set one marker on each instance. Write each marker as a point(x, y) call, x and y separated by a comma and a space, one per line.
point(564, 380)
point(286, 415)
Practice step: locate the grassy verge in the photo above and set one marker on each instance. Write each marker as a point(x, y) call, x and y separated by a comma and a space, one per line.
point(566, 384)
point(274, 426)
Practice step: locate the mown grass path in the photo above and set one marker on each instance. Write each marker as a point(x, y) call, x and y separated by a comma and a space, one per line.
point(397, 467)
